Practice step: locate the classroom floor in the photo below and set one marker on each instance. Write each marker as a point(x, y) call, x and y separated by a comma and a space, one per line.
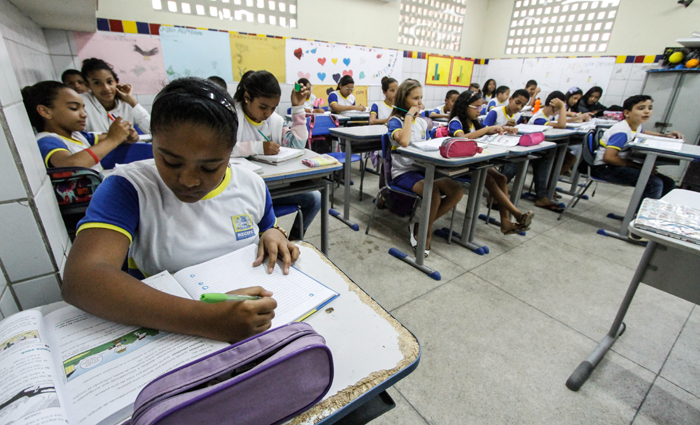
point(501, 333)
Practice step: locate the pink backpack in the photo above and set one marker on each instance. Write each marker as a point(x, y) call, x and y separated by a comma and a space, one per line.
point(442, 132)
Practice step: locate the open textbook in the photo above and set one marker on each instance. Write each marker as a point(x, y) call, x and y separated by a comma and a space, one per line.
point(70, 367)
point(285, 154)
point(657, 142)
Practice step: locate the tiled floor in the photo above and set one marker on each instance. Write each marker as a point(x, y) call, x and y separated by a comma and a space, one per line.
point(501, 333)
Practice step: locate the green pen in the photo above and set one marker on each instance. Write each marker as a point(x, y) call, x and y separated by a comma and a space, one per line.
point(217, 298)
point(264, 137)
point(400, 109)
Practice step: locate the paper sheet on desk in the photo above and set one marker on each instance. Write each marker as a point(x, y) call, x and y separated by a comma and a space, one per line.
point(528, 128)
point(501, 140)
point(431, 145)
point(663, 143)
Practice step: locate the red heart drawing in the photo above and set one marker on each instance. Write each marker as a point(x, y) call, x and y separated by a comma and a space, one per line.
point(347, 73)
point(322, 61)
point(298, 53)
point(379, 56)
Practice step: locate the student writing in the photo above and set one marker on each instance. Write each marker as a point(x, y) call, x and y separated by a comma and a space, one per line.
point(108, 99)
point(56, 111)
point(464, 122)
point(181, 208)
point(342, 99)
point(380, 112)
point(406, 128)
point(508, 115)
point(310, 100)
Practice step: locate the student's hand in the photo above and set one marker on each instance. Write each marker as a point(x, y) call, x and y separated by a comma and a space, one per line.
point(299, 97)
point(271, 148)
point(133, 136)
point(274, 244)
point(511, 130)
point(676, 135)
point(557, 104)
point(537, 91)
point(584, 117)
point(415, 110)
point(242, 319)
point(511, 123)
point(126, 93)
point(119, 130)
point(494, 129)
point(360, 107)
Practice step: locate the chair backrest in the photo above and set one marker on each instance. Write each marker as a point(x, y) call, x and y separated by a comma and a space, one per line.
point(386, 155)
point(323, 124)
point(591, 144)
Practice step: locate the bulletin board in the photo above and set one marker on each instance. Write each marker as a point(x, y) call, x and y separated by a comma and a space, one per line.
point(137, 59)
point(461, 75)
point(196, 53)
point(326, 63)
point(438, 73)
point(256, 52)
point(322, 91)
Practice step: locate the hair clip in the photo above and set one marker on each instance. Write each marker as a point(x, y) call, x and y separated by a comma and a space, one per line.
point(202, 93)
point(573, 89)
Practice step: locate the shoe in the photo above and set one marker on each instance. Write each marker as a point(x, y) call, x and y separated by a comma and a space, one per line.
point(414, 242)
point(637, 238)
point(526, 219)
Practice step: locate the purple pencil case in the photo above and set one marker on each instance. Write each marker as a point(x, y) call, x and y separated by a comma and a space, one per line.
point(266, 379)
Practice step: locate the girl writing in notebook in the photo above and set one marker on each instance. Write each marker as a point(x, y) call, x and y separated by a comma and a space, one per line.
point(108, 99)
point(406, 127)
point(342, 99)
point(183, 207)
point(57, 113)
point(379, 114)
point(262, 131)
point(464, 122)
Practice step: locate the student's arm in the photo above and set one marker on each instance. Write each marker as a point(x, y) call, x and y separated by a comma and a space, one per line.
point(56, 155)
point(455, 129)
point(297, 136)
point(558, 105)
point(613, 147)
point(142, 118)
point(403, 135)
point(485, 130)
point(94, 282)
point(336, 107)
point(436, 114)
point(373, 114)
point(490, 119)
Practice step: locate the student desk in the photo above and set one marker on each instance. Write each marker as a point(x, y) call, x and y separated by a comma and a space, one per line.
point(687, 152)
point(450, 167)
point(668, 264)
point(371, 349)
point(356, 139)
point(353, 120)
point(293, 177)
point(561, 137)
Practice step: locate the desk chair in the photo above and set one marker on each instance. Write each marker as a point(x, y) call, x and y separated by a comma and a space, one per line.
point(74, 188)
point(286, 209)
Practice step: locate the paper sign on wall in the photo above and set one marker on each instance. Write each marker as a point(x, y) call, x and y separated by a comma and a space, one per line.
point(137, 58)
point(254, 52)
point(196, 53)
point(438, 73)
point(326, 63)
point(461, 72)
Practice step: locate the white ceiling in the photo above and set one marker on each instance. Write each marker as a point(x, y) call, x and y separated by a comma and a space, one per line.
point(75, 15)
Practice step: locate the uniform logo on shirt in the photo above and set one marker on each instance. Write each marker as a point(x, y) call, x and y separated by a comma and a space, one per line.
point(243, 226)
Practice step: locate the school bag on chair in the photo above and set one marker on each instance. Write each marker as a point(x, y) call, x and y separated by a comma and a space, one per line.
point(264, 380)
point(319, 130)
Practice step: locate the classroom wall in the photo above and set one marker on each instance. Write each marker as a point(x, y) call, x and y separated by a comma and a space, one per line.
point(33, 239)
point(642, 27)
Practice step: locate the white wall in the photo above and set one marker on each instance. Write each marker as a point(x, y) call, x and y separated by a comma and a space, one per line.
point(33, 239)
point(642, 27)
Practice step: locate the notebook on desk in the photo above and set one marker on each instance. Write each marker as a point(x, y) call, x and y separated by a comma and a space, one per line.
point(285, 154)
point(244, 163)
point(529, 128)
point(675, 221)
point(656, 142)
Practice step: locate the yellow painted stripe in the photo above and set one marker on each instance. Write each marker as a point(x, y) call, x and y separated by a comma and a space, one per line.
point(48, 156)
point(130, 27)
point(621, 59)
point(649, 58)
point(203, 29)
point(220, 188)
point(414, 55)
point(105, 226)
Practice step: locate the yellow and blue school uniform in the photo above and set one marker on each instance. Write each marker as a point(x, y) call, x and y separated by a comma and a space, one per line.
point(309, 103)
point(404, 172)
point(498, 116)
point(336, 97)
point(455, 126)
point(440, 110)
point(50, 143)
point(494, 103)
point(251, 135)
point(616, 137)
point(540, 118)
point(381, 110)
point(168, 234)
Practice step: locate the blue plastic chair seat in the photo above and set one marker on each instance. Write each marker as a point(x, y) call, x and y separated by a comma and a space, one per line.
point(340, 156)
point(398, 189)
point(285, 209)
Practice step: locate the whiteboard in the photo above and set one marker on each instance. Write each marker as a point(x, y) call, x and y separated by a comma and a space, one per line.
point(325, 63)
point(196, 53)
point(506, 72)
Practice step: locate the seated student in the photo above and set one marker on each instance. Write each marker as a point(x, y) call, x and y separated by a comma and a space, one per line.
point(572, 98)
point(262, 131)
point(311, 99)
point(56, 112)
point(219, 81)
point(172, 212)
point(474, 87)
point(508, 115)
point(406, 128)
point(553, 112)
point(342, 99)
point(533, 90)
point(108, 99)
point(465, 115)
point(443, 111)
point(590, 102)
point(74, 79)
point(489, 90)
point(612, 161)
point(380, 112)
point(500, 99)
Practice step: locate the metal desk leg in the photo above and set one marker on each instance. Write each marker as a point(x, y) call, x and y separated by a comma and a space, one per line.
point(422, 228)
point(479, 195)
point(583, 371)
point(324, 218)
point(647, 168)
point(472, 212)
point(558, 162)
point(519, 182)
point(346, 168)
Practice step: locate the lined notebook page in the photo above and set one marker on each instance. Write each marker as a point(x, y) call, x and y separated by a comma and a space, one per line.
point(296, 293)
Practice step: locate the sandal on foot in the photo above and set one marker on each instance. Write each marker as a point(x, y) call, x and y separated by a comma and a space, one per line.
point(552, 207)
point(512, 231)
point(526, 219)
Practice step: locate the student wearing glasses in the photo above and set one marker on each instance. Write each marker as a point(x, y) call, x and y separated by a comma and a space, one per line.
point(342, 99)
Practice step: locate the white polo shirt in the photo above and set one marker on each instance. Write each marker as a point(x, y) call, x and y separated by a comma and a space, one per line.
point(381, 110)
point(98, 120)
point(340, 100)
point(168, 234)
point(498, 116)
point(401, 164)
point(50, 143)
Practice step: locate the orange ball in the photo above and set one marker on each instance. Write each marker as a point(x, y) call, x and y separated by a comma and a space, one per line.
point(692, 63)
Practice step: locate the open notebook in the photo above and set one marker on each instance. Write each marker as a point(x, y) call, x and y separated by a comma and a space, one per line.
point(676, 221)
point(656, 142)
point(285, 154)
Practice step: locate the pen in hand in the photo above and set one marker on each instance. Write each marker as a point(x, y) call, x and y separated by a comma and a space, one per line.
point(212, 298)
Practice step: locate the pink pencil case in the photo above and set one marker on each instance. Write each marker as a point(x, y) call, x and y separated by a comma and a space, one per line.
point(531, 139)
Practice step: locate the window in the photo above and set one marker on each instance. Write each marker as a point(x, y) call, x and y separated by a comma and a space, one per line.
point(589, 21)
point(436, 24)
point(281, 13)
